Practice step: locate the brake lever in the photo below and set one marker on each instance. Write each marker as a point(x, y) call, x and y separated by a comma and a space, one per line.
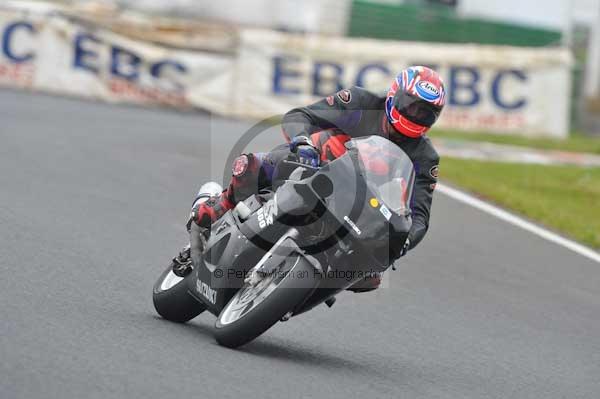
point(301, 165)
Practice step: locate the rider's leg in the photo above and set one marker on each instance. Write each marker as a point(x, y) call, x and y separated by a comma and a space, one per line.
point(245, 174)
point(182, 262)
point(250, 173)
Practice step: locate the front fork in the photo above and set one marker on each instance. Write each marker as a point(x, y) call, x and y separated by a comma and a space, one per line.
point(273, 258)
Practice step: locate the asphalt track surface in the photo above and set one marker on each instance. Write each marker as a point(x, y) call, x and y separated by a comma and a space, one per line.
point(92, 202)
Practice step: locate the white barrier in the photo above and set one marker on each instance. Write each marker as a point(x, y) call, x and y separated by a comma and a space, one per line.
point(504, 89)
point(498, 88)
point(51, 53)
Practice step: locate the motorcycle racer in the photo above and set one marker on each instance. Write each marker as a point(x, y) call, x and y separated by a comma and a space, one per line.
point(317, 133)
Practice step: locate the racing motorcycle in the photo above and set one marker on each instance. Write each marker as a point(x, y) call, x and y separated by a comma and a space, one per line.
point(284, 251)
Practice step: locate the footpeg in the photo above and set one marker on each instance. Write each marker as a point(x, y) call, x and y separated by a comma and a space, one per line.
point(182, 263)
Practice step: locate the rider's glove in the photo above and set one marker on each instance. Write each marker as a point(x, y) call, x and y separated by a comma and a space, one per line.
point(307, 153)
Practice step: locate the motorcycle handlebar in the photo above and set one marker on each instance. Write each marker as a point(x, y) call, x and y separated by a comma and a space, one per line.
point(301, 165)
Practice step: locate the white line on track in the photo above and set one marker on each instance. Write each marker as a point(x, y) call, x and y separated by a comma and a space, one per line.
point(519, 222)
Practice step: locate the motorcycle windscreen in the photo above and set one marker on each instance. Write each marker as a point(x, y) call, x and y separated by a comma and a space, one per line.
point(388, 171)
point(372, 185)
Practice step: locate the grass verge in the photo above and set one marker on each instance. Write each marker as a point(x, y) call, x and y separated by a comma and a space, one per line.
point(576, 142)
point(564, 198)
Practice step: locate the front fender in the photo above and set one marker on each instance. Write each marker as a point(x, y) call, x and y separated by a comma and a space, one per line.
point(284, 248)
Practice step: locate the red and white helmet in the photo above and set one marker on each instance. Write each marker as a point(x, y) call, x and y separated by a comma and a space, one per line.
point(415, 101)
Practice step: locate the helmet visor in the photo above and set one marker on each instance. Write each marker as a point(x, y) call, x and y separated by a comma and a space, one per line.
point(416, 109)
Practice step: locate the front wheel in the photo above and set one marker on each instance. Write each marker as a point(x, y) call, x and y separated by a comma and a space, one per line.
point(256, 308)
point(172, 300)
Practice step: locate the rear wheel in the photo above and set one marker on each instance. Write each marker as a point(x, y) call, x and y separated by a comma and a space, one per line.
point(172, 300)
point(257, 307)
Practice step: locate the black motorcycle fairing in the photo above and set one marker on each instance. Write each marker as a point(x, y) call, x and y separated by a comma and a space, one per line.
point(350, 215)
point(217, 279)
point(235, 247)
point(339, 216)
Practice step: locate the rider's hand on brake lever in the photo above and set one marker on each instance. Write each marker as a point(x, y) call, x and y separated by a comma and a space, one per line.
point(307, 153)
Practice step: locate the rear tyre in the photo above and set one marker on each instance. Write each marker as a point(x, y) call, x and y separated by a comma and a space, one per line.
point(172, 300)
point(255, 309)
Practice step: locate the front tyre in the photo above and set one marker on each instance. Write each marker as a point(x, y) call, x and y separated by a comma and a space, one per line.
point(256, 308)
point(172, 300)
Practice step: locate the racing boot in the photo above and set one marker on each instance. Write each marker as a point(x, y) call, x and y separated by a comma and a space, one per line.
point(206, 211)
point(203, 203)
point(182, 263)
point(208, 194)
